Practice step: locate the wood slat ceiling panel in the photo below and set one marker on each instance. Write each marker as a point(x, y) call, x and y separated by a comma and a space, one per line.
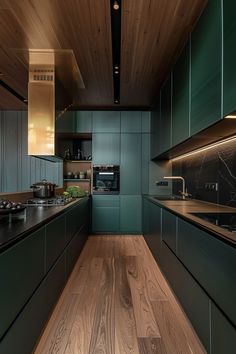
point(153, 31)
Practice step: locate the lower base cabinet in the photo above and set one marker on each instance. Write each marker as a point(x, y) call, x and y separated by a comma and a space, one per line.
point(187, 256)
point(130, 214)
point(21, 334)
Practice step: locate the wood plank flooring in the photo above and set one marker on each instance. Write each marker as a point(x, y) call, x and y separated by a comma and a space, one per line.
point(118, 302)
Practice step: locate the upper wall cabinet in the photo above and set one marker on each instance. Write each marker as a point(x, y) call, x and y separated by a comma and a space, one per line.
point(106, 122)
point(206, 51)
point(229, 67)
point(155, 131)
point(83, 121)
point(131, 122)
point(106, 148)
point(180, 98)
point(66, 123)
point(165, 121)
point(146, 122)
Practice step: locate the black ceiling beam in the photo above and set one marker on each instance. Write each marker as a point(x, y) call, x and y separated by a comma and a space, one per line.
point(116, 46)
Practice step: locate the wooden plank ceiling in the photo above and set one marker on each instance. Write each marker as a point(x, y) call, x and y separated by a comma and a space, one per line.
point(152, 34)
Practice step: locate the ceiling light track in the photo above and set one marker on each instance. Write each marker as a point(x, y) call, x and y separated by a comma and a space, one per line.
point(13, 92)
point(116, 46)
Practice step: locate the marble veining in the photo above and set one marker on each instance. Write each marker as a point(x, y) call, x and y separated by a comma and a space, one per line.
point(213, 166)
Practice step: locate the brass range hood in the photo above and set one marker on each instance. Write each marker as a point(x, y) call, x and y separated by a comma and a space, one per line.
point(53, 87)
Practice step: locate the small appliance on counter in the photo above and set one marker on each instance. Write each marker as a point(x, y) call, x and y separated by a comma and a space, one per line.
point(106, 179)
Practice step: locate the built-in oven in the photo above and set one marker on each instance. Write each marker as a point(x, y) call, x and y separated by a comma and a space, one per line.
point(106, 179)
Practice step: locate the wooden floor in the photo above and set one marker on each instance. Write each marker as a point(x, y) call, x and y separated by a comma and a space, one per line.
point(117, 301)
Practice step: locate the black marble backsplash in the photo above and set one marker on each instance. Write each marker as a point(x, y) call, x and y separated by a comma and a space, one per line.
point(217, 165)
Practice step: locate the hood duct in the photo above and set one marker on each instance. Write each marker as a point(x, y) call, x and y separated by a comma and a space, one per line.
point(53, 87)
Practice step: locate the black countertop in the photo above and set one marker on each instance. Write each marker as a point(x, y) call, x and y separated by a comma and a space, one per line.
point(10, 233)
point(185, 208)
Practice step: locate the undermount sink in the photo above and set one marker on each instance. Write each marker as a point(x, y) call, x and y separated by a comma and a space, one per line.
point(170, 197)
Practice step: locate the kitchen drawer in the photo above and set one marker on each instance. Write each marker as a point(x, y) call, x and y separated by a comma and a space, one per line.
point(191, 296)
point(21, 270)
point(55, 239)
point(106, 201)
point(212, 262)
point(169, 229)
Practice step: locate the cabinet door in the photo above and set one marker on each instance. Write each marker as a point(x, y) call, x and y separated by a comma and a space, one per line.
point(130, 214)
point(131, 122)
point(153, 232)
point(223, 334)
point(106, 122)
point(169, 229)
point(180, 98)
point(76, 217)
point(21, 270)
point(145, 163)
point(105, 213)
point(83, 121)
point(165, 121)
point(212, 262)
point(25, 331)
point(106, 148)
point(55, 239)
point(66, 123)
point(130, 169)
point(229, 55)
point(206, 46)
point(155, 131)
point(193, 299)
point(146, 122)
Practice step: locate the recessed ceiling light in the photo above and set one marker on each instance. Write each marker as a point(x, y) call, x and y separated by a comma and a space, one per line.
point(116, 67)
point(116, 72)
point(116, 101)
point(25, 100)
point(116, 5)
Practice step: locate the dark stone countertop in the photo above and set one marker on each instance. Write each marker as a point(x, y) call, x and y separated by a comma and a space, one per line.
point(10, 233)
point(184, 208)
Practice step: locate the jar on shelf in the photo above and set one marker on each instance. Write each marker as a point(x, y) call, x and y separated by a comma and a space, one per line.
point(82, 175)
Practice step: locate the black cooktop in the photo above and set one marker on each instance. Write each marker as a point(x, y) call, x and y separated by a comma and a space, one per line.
point(225, 220)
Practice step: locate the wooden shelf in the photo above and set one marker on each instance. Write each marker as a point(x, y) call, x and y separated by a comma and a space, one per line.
point(76, 180)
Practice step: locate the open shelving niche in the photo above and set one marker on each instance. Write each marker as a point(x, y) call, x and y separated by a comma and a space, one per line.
point(75, 141)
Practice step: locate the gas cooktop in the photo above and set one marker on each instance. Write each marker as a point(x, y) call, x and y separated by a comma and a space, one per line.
point(225, 220)
point(55, 201)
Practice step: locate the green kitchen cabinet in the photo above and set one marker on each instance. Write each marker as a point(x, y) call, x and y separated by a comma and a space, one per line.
point(165, 118)
point(66, 123)
point(169, 223)
point(83, 121)
point(131, 214)
point(191, 296)
point(181, 98)
point(74, 248)
point(229, 57)
point(212, 262)
point(155, 130)
point(106, 148)
point(152, 219)
point(146, 122)
point(20, 272)
point(76, 218)
point(10, 157)
point(25, 331)
point(145, 163)
point(106, 213)
point(55, 239)
point(1, 151)
point(206, 71)
point(106, 122)
point(130, 169)
point(223, 334)
point(131, 122)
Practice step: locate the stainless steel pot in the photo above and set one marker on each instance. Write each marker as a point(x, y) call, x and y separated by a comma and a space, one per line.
point(43, 189)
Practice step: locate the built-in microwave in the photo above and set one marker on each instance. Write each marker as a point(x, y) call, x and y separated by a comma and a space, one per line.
point(106, 179)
